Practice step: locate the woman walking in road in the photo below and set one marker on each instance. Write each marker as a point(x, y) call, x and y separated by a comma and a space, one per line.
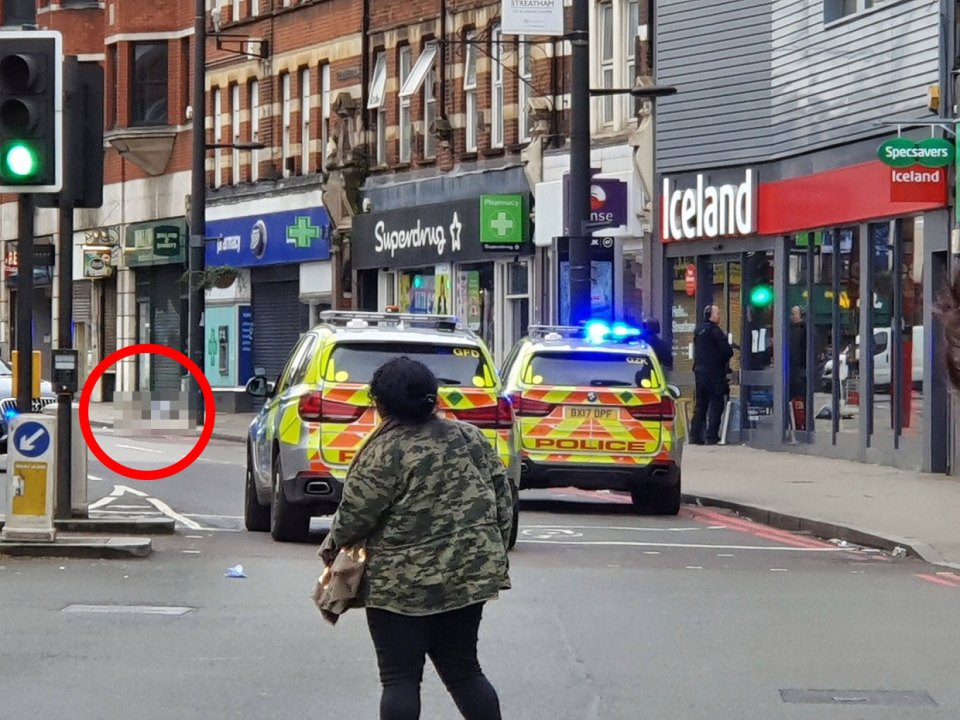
point(433, 503)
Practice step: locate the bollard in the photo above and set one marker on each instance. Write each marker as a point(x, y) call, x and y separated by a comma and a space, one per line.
point(31, 468)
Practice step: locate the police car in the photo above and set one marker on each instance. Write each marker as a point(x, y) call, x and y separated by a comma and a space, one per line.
point(318, 412)
point(594, 412)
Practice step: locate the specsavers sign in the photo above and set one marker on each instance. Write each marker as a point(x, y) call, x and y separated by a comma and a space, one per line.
point(708, 210)
point(918, 169)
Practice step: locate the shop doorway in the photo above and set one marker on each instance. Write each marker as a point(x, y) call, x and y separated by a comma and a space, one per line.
point(726, 292)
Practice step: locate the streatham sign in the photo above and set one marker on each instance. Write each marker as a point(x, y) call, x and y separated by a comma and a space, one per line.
point(708, 211)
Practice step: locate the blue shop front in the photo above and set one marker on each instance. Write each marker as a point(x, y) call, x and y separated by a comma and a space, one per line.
point(281, 261)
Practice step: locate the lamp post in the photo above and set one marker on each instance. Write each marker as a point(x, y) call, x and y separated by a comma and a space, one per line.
point(198, 202)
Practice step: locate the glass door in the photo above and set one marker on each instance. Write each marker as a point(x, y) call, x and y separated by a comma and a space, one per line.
point(727, 294)
point(143, 336)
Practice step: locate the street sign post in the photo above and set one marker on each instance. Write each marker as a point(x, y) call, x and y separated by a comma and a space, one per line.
point(31, 464)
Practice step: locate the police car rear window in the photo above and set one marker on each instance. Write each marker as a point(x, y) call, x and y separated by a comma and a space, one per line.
point(453, 365)
point(592, 369)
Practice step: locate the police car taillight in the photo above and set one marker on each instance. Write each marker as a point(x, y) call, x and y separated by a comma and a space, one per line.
point(313, 408)
point(525, 407)
point(666, 409)
point(496, 417)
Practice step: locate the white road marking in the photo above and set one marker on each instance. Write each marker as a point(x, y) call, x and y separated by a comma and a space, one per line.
point(651, 552)
point(194, 537)
point(619, 527)
point(221, 517)
point(142, 512)
point(102, 501)
point(140, 449)
point(94, 478)
point(692, 546)
point(725, 555)
point(171, 513)
point(190, 552)
point(119, 490)
point(694, 567)
point(778, 570)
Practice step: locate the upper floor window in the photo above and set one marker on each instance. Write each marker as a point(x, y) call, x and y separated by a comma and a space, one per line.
point(633, 33)
point(405, 121)
point(255, 129)
point(217, 137)
point(429, 114)
point(148, 92)
point(235, 132)
point(326, 93)
point(285, 141)
point(836, 9)
point(496, 88)
point(524, 91)
point(305, 121)
point(470, 92)
point(375, 101)
point(605, 26)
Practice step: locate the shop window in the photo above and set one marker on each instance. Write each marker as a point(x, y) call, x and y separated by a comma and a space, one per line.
point(518, 302)
point(757, 340)
point(148, 90)
point(470, 92)
point(474, 300)
point(684, 317)
point(417, 291)
point(802, 315)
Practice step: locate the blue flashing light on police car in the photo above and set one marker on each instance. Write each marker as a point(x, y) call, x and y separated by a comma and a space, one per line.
point(597, 331)
point(10, 414)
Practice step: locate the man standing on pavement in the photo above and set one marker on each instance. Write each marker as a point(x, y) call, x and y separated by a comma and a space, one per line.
point(711, 354)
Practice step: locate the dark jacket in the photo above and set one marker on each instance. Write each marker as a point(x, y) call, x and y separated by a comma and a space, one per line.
point(434, 504)
point(711, 354)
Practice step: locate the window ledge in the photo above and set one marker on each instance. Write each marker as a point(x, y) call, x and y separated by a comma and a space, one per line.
point(427, 162)
point(150, 148)
point(472, 155)
point(494, 152)
point(402, 166)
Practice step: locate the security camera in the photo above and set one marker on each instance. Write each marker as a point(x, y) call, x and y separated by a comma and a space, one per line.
point(189, 112)
point(215, 16)
point(366, 205)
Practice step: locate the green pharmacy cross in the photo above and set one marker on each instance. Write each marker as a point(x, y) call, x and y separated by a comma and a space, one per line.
point(303, 233)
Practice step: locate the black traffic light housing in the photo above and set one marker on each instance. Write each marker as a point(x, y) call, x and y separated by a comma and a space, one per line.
point(31, 111)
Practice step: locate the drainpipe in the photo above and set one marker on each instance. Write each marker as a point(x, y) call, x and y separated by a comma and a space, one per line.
point(443, 61)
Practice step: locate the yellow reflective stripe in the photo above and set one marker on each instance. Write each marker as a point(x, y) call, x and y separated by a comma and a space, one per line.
point(290, 426)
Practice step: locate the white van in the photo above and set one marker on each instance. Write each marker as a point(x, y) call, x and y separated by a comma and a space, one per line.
point(882, 362)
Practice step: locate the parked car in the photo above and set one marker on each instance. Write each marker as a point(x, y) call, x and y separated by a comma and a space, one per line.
point(8, 403)
point(882, 359)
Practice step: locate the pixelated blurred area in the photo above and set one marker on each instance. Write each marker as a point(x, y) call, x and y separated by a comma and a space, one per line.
point(156, 412)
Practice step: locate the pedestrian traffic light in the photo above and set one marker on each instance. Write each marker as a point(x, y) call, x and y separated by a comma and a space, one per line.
point(31, 103)
point(761, 296)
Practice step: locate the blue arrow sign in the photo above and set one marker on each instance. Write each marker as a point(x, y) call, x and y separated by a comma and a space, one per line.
point(31, 439)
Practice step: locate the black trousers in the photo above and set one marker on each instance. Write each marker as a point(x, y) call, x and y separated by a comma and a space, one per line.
point(450, 639)
point(710, 398)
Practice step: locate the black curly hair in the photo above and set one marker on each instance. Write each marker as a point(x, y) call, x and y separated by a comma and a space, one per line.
point(948, 308)
point(405, 390)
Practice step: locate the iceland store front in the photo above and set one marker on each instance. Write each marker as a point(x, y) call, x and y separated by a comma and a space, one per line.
point(826, 278)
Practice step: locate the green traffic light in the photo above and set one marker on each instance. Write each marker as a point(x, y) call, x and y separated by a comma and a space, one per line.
point(761, 296)
point(19, 161)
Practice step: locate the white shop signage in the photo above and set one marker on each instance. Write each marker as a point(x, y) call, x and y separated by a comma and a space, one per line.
point(708, 211)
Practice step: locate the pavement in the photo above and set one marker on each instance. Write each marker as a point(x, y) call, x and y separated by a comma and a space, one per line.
point(870, 505)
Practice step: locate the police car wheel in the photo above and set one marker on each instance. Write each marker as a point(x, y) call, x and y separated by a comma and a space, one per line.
point(659, 500)
point(256, 517)
point(288, 523)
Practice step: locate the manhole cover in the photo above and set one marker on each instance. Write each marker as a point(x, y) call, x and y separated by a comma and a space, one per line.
point(128, 609)
point(889, 698)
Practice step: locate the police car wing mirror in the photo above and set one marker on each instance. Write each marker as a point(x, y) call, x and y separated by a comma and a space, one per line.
point(674, 391)
point(257, 386)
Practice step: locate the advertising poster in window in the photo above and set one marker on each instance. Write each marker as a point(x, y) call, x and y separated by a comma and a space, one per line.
point(444, 290)
point(601, 291)
point(468, 298)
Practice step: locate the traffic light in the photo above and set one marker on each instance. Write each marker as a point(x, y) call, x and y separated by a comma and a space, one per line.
point(31, 105)
point(761, 296)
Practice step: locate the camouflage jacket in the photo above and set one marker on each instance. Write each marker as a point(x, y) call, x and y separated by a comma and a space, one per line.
point(434, 505)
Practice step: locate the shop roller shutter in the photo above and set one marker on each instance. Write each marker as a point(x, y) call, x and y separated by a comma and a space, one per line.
point(278, 320)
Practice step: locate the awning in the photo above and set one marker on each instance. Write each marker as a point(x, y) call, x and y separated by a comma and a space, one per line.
point(419, 71)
